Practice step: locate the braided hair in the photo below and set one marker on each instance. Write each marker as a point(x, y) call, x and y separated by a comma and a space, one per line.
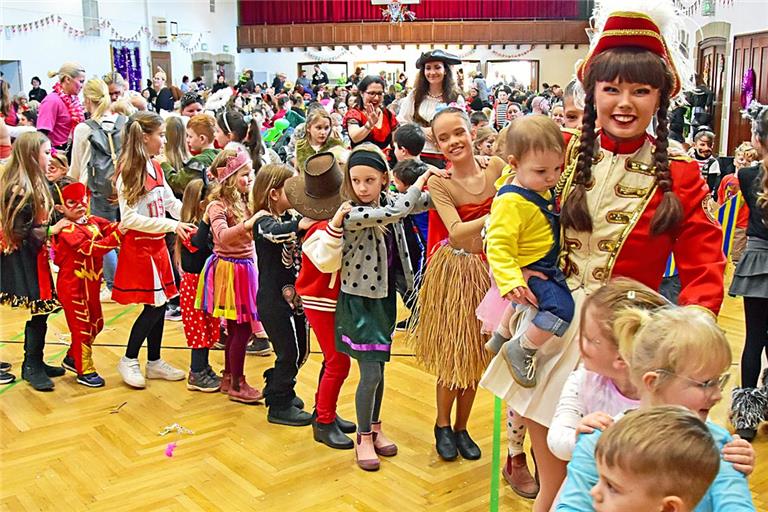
point(631, 65)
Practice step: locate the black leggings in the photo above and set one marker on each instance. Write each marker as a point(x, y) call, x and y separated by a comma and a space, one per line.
point(199, 359)
point(148, 326)
point(288, 333)
point(756, 317)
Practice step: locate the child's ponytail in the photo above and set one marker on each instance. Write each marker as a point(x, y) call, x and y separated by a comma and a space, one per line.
point(626, 326)
point(132, 165)
point(253, 142)
point(194, 194)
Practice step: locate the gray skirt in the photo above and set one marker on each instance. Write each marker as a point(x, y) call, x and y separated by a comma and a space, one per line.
point(751, 276)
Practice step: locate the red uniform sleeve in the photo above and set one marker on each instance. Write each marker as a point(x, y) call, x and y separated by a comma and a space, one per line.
point(698, 246)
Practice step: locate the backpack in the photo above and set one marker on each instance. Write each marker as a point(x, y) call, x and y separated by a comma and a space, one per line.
point(105, 149)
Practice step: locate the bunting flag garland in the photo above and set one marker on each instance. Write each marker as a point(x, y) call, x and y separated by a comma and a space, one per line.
point(104, 24)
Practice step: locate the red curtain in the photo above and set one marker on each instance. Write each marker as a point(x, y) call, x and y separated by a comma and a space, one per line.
point(277, 12)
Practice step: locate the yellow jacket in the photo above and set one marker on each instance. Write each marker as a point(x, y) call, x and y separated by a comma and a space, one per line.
point(518, 234)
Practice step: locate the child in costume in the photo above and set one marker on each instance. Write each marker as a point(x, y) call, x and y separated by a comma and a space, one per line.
point(447, 338)
point(500, 115)
point(317, 137)
point(373, 247)
point(144, 274)
point(317, 194)
point(25, 273)
point(744, 156)
point(524, 231)
point(277, 233)
point(79, 249)
point(228, 282)
point(201, 330)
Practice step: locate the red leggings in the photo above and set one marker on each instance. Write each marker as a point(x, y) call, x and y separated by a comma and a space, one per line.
point(335, 365)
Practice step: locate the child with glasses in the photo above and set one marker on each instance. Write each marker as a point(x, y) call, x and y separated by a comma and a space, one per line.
point(676, 356)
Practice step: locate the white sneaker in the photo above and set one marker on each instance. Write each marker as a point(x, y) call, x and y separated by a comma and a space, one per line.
point(106, 295)
point(130, 371)
point(161, 370)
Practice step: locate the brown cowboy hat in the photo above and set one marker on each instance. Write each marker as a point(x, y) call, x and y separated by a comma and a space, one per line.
point(316, 193)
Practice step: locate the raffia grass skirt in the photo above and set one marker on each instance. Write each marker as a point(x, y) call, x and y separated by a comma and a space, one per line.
point(447, 338)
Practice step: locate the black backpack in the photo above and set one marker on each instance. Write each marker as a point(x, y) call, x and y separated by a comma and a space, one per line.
point(105, 149)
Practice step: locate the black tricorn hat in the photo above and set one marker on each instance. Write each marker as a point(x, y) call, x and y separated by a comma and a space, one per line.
point(441, 55)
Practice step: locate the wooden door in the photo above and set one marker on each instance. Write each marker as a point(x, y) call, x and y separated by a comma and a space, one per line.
point(162, 59)
point(750, 51)
point(711, 72)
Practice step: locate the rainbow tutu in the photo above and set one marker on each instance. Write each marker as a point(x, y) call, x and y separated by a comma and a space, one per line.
point(227, 289)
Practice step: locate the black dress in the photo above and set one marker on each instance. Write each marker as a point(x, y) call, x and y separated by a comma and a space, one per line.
point(25, 273)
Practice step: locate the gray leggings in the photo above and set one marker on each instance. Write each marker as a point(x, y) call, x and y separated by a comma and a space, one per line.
point(370, 390)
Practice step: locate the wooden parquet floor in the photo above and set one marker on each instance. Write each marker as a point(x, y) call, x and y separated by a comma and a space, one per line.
point(67, 450)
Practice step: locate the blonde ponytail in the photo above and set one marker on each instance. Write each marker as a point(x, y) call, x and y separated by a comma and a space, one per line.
point(97, 92)
point(68, 69)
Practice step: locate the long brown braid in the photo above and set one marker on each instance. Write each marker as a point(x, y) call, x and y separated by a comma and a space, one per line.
point(575, 212)
point(670, 211)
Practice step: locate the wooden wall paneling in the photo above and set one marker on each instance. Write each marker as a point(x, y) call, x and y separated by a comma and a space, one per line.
point(710, 69)
point(749, 51)
point(425, 32)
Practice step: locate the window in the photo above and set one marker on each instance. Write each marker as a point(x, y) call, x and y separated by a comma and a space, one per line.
point(91, 17)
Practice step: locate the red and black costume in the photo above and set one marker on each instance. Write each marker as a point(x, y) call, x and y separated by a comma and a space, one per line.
point(78, 251)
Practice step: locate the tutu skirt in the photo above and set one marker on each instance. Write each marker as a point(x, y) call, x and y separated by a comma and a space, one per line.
point(227, 289)
point(491, 308)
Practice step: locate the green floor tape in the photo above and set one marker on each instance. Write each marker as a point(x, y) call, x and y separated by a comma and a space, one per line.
point(56, 356)
point(496, 458)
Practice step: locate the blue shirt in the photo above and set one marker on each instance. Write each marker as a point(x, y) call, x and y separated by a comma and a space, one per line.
point(728, 493)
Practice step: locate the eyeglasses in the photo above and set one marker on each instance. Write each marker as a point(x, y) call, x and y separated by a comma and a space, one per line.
point(708, 386)
point(371, 93)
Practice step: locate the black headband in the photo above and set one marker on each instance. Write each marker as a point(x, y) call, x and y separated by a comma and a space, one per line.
point(368, 158)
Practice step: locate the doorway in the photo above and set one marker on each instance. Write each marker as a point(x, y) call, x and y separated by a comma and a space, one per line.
point(162, 59)
point(711, 72)
point(11, 70)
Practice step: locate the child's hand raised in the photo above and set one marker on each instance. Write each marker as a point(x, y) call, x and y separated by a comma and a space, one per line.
point(741, 454)
point(522, 295)
point(442, 173)
point(592, 422)
point(338, 218)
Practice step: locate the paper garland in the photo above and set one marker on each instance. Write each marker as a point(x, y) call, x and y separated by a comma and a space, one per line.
point(104, 24)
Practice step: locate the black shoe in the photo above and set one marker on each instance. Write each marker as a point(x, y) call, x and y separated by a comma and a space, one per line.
point(297, 402)
point(5, 367)
point(6, 378)
point(258, 347)
point(346, 426)
point(68, 363)
point(445, 442)
point(35, 375)
point(467, 447)
point(329, 434)
point(292, 417)
point(53, 371)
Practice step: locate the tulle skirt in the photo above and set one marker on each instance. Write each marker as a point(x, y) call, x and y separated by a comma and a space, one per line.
point(227, 289)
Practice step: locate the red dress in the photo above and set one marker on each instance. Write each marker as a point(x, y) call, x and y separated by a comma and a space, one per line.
point(144, 274)
point(78, 251)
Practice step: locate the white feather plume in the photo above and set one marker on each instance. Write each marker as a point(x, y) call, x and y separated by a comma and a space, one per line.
point(673, 24)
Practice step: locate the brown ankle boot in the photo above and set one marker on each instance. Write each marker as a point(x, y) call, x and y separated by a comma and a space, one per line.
point(519, 478)
point(244, 393)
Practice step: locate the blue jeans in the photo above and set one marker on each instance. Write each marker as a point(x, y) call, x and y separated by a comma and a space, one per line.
point(102, 208)
point(556, 307)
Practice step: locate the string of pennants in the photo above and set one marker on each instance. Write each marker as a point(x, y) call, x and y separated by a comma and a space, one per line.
point(104, 24)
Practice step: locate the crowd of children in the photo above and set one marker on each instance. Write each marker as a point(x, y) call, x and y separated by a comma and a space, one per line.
point(518, 273)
